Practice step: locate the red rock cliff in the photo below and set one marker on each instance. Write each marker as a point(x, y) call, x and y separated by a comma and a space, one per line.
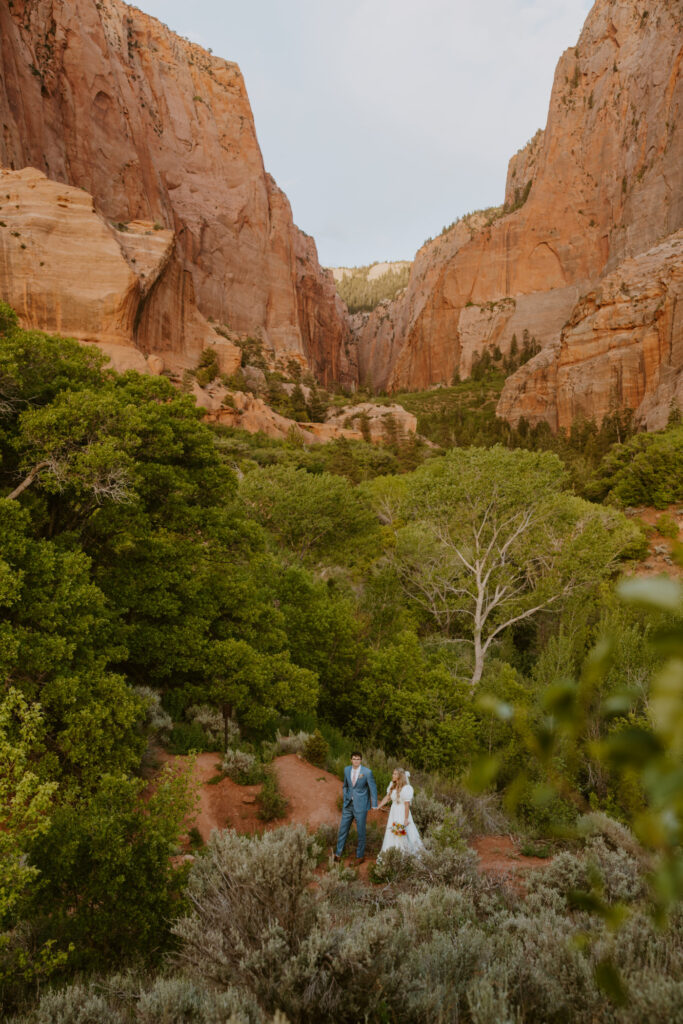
point(607, 185)
point(100, 96)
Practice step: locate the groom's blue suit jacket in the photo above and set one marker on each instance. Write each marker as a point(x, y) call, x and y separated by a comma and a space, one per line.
point(364, 794)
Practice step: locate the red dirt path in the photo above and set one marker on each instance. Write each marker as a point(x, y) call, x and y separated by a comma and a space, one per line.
point(312, 795)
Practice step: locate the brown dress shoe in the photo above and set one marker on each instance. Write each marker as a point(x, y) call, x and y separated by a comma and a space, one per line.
point(359, 860)
point(337, 858)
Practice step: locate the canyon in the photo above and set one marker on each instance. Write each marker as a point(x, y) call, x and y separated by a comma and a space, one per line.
point(136, 213)
point(600, 186)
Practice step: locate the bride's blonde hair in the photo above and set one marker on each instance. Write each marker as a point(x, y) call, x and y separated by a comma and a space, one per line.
point(401, 781)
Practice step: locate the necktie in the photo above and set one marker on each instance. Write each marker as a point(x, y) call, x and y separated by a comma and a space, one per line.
point(354, 776)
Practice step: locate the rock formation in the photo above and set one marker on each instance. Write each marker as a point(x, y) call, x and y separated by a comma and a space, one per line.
point(383, 424)
point(622, 348)
point(248, 412)
point(99, 96)
point(67, 271)
point(606, 186)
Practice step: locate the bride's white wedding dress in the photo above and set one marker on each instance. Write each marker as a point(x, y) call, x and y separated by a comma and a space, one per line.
point(410, 842)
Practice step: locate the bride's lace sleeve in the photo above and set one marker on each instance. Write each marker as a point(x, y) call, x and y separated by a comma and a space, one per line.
point(407, 794)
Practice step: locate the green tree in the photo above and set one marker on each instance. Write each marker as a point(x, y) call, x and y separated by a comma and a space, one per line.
point(646, 470)
point(315, 516)
point(26, 805)
point(491, 539)
point(317, 406)
point(107, 883)
point(411, 706)
point(257, 688)
point(57, 637)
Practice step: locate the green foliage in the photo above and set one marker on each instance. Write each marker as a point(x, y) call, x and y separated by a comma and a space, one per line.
point(315, 516)
point(491, 539)
point(113, 844)
point(410, 705)
point(272, 804)
point(252, 353)
point(316, 749)
point(136, 568)
point(520, 197)
point(186, 737)
point(667, 526)
point(56, 640)
point(25, 808)
point(257, 688)
point(646, 470)
point(360, 293)
point(207, 368)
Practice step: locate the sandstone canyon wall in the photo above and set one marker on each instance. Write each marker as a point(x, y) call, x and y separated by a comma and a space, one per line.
point(159, 132)
point(606, 187)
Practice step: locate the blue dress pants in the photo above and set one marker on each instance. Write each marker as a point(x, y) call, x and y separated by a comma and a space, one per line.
point(348, 815)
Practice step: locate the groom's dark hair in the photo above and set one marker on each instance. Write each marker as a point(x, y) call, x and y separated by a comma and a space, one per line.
point(356, 753)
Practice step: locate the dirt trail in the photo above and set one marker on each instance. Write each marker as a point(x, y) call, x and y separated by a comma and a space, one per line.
point(312, 794)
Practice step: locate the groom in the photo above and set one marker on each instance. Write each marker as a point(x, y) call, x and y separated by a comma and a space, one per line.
point(360, 791)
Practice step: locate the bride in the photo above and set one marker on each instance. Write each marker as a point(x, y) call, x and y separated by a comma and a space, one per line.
point(401, 832)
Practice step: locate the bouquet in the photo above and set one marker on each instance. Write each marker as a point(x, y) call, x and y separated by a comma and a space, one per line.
point(398, 829)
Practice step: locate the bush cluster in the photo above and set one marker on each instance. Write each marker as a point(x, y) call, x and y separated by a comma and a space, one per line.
point(242, 767)
point(433, 942)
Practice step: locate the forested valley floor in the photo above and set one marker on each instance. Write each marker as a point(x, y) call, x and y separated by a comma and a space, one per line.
point(479, 604)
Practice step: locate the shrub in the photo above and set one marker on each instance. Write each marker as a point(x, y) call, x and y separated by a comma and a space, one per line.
point(446, 833)
point(616, 835)
point(121, 999)
point(187, 736)
point(75, 1004)
point(428, 811)
point(621, 874)
point(194, 838)
point(243, 768)
point(326, 836)
point(252, 907)
point(667, 526)
point(158, 721)
point(177, 1000)
point(292, 743)
point(646, 470)
point(211, 721)
point(435, 866)
point(207, 368)
point(316, 749)
point(272, 804)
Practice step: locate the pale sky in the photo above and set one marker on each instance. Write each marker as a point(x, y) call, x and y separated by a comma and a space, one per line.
point(384, 120)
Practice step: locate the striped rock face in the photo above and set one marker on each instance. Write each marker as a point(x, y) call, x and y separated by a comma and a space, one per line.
point(104, 98)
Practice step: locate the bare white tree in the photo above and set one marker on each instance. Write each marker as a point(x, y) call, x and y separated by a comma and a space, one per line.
point(485, 548)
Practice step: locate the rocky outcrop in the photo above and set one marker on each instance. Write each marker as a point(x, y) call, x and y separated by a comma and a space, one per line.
point(67, 271)
point(607, 185)
point(522, 171)
point(382, 424)
point(102, 97)
point(248, 412)
point(622, 348)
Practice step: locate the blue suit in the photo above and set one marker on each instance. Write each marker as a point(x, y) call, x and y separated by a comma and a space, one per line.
point(357, 801)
